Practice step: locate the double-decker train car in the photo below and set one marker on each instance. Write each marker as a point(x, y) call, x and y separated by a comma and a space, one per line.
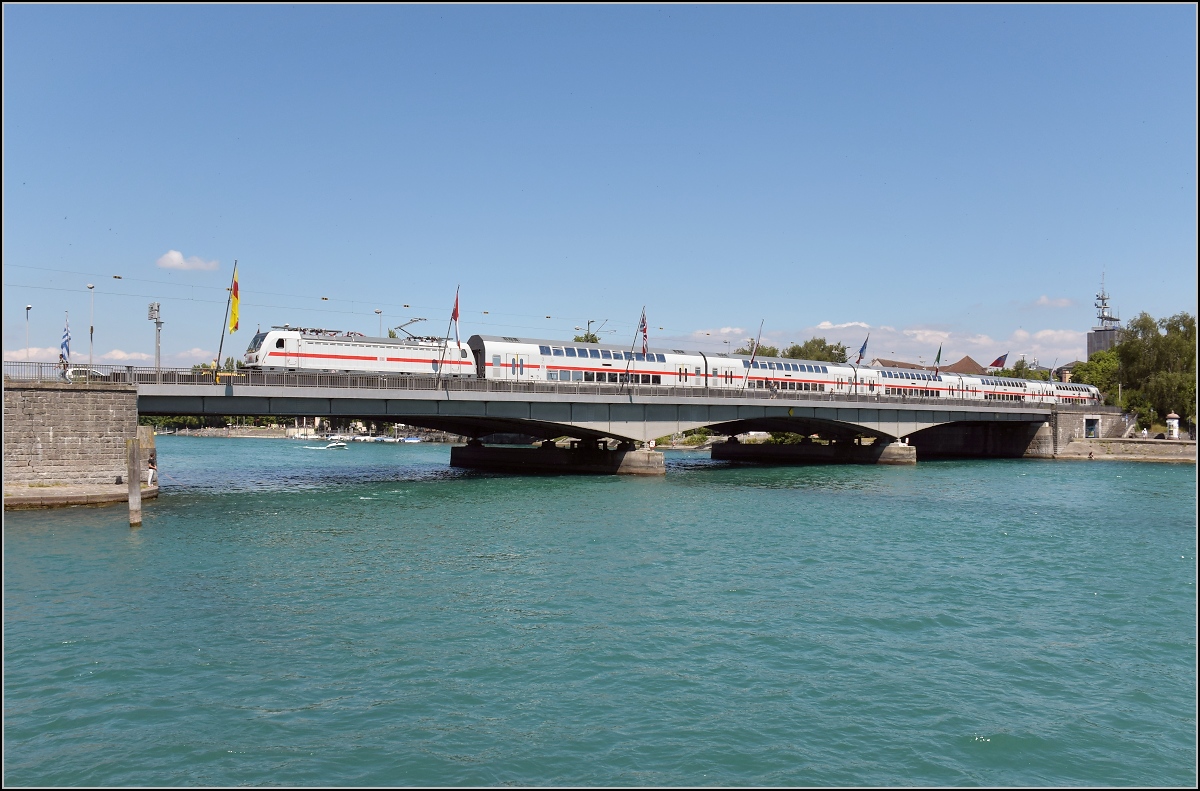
point(524, 359)
point(333, 351)
point(508, 358)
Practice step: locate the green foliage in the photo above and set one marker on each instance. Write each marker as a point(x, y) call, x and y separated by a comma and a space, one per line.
point(1022, 370)
point(1102, 371)
point(788, 437)
point(1157, 367)
point(817, 349)
point(763, 351)
point(587, 337)
point(392, 334)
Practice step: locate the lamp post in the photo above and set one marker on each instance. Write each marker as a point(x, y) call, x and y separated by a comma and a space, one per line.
point(27, 309)
point(91, 329)
point(154, 316)
point(379, 313)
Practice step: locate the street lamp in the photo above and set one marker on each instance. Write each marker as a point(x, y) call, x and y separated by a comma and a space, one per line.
point(588, 330)
point(379, 313)
point(154, 316)
point(91, 329)
point(27, 309)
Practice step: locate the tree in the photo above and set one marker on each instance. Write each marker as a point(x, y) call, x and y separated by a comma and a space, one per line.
point(1102, 371)
point(1157, 367)
point(1022, 370)
point(587, 337)
point(817, 349)
point(392, 334)
point(763, 350)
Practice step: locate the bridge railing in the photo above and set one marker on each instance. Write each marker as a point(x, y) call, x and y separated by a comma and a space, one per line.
point(128, 374)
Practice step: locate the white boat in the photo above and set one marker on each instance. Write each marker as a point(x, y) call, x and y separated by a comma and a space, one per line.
point(411, 439)
point(335, 445)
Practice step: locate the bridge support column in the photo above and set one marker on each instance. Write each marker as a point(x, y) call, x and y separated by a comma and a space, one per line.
point(580, 459)
point(813, 453)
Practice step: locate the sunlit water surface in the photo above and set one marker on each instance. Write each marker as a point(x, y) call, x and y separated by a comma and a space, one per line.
point(291, 615)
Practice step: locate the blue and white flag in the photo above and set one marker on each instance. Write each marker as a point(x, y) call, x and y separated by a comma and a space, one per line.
point(863, 350)
point(65, 346)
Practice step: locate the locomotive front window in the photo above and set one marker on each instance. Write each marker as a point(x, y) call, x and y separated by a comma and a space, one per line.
point(256, 342)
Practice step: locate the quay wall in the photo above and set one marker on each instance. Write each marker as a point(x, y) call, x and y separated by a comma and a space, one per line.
point(60, 433)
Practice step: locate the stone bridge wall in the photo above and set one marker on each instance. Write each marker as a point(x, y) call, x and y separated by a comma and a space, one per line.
point(69, 433)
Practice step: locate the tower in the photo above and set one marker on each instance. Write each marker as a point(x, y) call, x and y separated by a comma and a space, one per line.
point(1107, 332)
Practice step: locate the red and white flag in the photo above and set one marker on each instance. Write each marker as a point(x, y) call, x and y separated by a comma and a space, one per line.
point(645, 333)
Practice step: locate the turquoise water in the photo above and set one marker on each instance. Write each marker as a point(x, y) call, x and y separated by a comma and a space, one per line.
point(288, 615)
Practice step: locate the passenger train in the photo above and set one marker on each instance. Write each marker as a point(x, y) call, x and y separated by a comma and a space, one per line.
point(527, 360)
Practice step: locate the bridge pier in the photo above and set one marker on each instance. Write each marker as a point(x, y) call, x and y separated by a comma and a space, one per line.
point(582, 458)
point(814, 453)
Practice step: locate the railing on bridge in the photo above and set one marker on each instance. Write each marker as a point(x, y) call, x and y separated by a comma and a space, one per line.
point(128, 374)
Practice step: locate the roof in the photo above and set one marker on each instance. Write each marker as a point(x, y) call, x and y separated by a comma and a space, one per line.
point(964, 366)
point(879, 362)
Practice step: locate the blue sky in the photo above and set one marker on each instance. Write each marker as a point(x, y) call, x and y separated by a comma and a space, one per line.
point(933, 175)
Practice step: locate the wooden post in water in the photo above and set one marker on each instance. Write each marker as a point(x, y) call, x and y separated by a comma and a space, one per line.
point(133, 463)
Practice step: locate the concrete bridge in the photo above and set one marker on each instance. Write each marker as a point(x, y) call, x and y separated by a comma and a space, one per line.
point(590, 412)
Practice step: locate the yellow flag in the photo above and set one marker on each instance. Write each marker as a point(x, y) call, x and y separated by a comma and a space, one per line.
point(233, 302)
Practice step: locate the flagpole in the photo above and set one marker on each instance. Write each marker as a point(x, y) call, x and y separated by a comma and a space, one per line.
point(225, 321)
point(453, 318)
point(753, 353)
point(633, 344)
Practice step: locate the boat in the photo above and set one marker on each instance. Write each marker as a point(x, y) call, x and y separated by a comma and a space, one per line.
point(411, 439)
point(335, 445)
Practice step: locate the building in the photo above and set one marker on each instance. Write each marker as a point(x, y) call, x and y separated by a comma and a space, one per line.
point(1107, 332)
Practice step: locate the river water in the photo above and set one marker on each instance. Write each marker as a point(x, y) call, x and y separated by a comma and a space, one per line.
point(291, 615)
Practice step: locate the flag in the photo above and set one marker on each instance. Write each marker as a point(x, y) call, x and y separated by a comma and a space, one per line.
point(65, 346)
point(233, 302)
point(642, 328)
point(454, 317)
point(937, 360)
point(999, 361)
point(863, 350)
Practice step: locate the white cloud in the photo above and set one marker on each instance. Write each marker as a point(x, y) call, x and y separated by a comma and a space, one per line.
point(724, 332)
point(116, 355)
point(1046, 302)
point(175, 260)
point(193, 356)
point(826, 325)
point(48, 354)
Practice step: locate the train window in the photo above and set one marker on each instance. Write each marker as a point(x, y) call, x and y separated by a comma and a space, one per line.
point(495, 361)
point(594, 354)
point(552, 376)
point(588, 376)
point(544, 350)
point(582, 352)
point(824, 370)
point(570, 352)
point(462, 353)
point(605, 354)
point(613, 377)
point(279, 343)
point(558, 352)
point(577, 376)
point(641, 358)
point(662, 358)
point(656, 379)
point(745, 363)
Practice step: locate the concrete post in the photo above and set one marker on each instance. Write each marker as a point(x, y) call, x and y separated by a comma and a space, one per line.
point(133, 466)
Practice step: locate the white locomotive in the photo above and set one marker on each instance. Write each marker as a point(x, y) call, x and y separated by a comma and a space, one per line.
point(508, 358)
point(333, 351)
